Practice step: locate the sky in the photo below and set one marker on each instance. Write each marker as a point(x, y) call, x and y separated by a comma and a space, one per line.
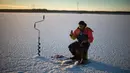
point(88, 5)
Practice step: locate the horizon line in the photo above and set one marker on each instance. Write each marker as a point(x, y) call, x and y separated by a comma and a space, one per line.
point(69, 10)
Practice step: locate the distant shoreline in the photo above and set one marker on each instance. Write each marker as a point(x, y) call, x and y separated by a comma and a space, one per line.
point(63, 11)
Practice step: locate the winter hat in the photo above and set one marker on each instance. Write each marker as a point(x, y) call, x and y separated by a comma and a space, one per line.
point(82, 23)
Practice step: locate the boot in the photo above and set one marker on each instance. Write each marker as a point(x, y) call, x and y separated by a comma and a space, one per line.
point(73, 58)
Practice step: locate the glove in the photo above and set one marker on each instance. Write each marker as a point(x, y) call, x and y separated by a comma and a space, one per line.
point(71, 33)
point(83, 43)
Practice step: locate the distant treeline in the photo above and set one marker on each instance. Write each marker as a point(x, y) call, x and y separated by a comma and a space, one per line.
point(63, 11)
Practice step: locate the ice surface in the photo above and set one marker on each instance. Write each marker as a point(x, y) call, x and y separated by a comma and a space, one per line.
point(109, 53)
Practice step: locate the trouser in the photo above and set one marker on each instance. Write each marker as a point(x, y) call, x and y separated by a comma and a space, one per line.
point(79, 51)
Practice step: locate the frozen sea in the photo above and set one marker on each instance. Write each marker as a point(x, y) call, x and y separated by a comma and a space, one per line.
point(109, 53)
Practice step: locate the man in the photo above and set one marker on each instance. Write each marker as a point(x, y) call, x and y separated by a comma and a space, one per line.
point(79, 49)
